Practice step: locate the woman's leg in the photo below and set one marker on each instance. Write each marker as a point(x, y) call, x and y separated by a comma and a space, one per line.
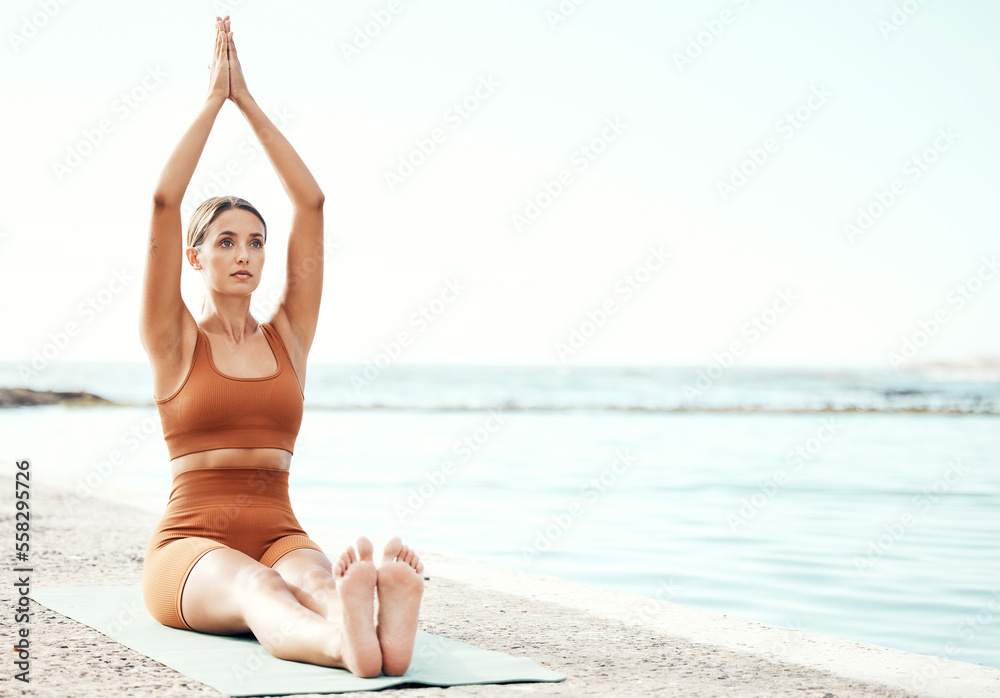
point(228, 592)
point(312, 579)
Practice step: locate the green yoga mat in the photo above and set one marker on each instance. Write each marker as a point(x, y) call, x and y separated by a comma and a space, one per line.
point(239, 666)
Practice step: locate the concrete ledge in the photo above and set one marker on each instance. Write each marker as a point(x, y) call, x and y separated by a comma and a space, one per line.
point(924, 675)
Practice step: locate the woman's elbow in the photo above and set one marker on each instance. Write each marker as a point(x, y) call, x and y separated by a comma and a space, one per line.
point(162, 199)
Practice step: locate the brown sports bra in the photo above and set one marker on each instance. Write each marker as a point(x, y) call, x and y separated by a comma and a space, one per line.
point(212, 410)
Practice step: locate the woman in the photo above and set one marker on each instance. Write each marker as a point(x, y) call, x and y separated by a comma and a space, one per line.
point(229, 556)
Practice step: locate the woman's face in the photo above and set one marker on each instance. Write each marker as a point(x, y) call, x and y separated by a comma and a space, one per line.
point(232, 256)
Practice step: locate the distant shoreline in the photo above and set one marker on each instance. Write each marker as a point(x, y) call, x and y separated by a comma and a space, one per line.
point(988, 363)
point(21, 397)
point(24, 397)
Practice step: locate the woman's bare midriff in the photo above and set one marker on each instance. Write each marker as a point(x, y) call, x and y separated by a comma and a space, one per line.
point(275, 458)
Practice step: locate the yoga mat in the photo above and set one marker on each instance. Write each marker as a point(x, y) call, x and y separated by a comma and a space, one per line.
point(239, 666)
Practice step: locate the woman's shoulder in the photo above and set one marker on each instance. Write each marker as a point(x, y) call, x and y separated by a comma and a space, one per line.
point(171, 358)
point(279, 327)
point(282, 329)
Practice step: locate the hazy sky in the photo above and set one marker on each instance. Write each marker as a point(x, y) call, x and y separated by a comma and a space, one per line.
point(601, 182)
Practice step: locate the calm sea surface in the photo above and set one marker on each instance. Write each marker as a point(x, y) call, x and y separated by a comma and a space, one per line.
point(859, 504)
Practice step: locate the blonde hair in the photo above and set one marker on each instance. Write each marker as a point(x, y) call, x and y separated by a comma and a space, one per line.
point(209, 210)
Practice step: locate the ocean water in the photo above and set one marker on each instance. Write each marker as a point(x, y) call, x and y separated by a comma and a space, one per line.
point(862, 504)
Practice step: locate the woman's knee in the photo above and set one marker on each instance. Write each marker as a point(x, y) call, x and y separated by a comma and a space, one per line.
point(315, 578)
point(318, 585)
point(257, 579)
point(305, 568)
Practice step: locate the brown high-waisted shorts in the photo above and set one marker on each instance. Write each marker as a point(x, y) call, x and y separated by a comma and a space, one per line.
point(246, 509)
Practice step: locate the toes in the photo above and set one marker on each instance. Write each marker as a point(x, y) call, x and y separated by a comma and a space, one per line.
point(409, 556)
point(391, 549)
point(396, 551)
point(420, 568)
point(365, 549)
point(343, 562)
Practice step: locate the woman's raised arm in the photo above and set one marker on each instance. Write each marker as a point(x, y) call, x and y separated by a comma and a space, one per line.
point(298, 309)
point(163, 312)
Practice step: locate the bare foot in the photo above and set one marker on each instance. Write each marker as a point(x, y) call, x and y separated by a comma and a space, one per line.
point(400, 588)
point(355, 577)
